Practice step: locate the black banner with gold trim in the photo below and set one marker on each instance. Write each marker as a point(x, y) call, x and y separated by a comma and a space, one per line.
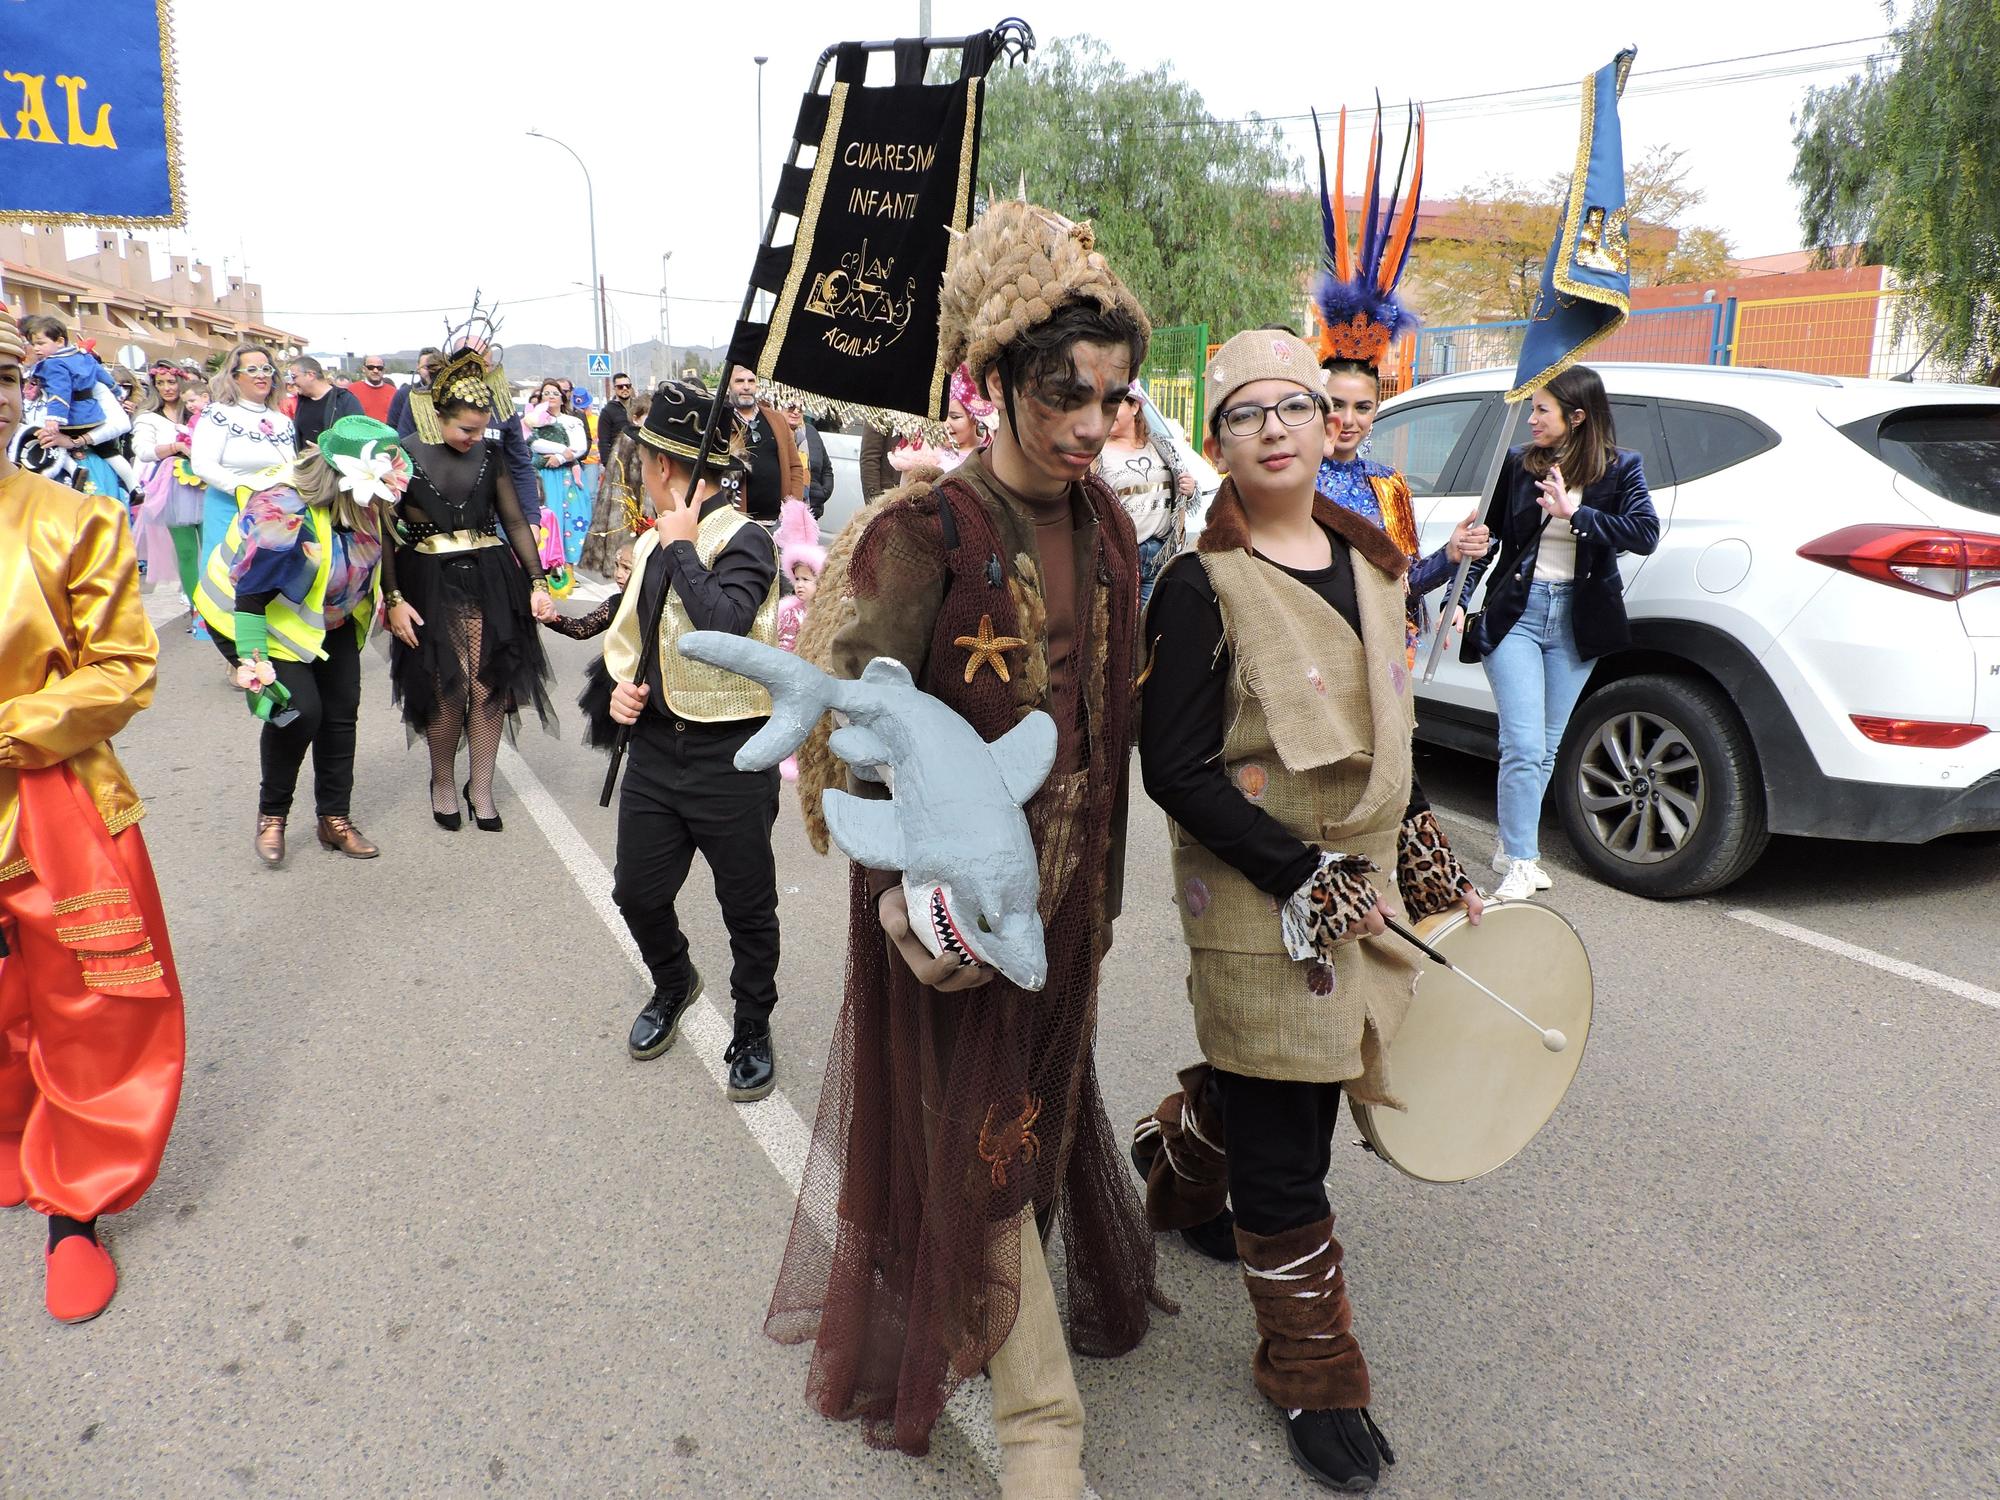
point(855, 313)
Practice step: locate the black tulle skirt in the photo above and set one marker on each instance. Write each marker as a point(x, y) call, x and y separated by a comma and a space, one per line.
point(477, 626)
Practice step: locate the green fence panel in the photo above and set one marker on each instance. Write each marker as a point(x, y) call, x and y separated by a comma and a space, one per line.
point(1174, 363)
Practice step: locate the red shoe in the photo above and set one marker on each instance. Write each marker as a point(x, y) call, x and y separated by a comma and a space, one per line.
point(82, 1279)
point(13, 1187)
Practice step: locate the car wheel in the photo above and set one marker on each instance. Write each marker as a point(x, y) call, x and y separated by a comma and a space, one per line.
point(1659, 789)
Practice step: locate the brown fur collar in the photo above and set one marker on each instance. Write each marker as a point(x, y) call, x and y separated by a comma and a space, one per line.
point(1228, 530)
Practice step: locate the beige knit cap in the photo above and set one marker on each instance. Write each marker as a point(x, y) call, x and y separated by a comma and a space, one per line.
point(1014, 269)
point(1262, 354)
point(11, 341)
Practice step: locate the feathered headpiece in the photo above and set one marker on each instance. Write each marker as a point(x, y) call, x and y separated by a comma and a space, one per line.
point(1354, 295)
point(471, 373)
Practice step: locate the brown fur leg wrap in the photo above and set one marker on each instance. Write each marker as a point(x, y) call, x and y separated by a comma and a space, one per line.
point(1306, 1356)
point(1189, 1183)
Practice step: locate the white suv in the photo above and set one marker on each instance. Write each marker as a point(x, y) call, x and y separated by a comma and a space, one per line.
point(1815, 644)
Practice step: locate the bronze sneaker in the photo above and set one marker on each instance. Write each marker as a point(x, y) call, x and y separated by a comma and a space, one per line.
point(270, 840)
point(338, 833)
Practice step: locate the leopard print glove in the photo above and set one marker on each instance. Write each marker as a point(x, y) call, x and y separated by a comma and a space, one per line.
point(1319, 913)
point(1428, 874)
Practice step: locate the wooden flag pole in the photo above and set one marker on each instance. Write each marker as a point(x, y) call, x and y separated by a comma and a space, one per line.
point(1454, 597)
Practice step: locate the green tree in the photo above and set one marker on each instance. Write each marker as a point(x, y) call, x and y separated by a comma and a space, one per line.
point(1901, 165)
point(1205, 220)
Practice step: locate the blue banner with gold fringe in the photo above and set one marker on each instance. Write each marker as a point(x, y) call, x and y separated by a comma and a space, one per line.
point(87, 128)
point(1586, 283)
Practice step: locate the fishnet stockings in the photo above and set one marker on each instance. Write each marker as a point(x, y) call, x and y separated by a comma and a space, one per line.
point(466, 706)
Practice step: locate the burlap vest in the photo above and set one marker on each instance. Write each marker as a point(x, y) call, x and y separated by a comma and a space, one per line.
point(1319, 737)
point(694, 689)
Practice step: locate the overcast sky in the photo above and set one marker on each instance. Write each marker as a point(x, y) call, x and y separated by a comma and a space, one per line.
point(383, 165)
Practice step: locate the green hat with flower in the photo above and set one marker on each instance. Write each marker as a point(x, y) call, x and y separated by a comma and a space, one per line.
point(368, 456)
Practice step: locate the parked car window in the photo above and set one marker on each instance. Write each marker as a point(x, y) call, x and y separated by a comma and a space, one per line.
point(1705, 440)
point(1953, 452)
point(1420, 440)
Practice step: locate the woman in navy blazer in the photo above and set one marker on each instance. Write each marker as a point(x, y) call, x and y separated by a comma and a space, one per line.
point(1569, 502)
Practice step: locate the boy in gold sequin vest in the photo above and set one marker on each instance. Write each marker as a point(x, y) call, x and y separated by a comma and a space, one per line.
point(682, 792)
point(1276, 736)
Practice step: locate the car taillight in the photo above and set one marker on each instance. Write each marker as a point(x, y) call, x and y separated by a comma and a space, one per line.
point(1920, 733)
point(1923, 559)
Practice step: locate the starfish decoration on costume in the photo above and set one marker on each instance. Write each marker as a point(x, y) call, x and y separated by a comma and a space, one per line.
point(986, 649)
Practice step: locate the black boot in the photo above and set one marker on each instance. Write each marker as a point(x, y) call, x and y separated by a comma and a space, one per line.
point(753, 1071)
point(659, 1024)
point(1342, 1449)
point(1216, 1237)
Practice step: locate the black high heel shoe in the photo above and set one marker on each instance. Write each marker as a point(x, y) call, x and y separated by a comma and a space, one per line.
point(451, 822)
point(485, 825)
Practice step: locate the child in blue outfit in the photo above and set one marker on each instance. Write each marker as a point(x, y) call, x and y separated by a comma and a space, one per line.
point(69, 379)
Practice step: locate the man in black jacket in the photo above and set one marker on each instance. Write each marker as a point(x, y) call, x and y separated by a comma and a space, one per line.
point(613, 419)
point(428, 361)
point(321, 402)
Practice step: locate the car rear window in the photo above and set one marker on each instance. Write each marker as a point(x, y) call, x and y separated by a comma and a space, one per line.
point(1705, 440)
point(1952, 451)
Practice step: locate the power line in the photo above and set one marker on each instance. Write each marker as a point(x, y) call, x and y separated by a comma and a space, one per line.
point(1448, 106)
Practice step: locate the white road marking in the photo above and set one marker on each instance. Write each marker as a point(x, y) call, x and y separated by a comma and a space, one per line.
point(773, 1121)
point(1965, 989)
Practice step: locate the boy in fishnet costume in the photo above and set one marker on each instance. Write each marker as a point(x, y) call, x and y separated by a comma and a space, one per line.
point(961, 1116)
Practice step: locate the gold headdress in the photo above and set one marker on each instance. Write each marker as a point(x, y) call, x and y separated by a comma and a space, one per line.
point(472, 373)
point(1012, 270)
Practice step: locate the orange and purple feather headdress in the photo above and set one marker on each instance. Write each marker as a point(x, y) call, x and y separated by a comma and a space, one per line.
point(1354, 294)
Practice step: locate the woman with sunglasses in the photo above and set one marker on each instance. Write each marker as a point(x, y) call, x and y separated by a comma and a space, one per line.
point(239, 435)
point(559, 441)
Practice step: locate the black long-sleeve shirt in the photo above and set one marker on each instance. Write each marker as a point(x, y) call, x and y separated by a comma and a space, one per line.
point(819, 483)
point(724, 597)
point(1184, 720)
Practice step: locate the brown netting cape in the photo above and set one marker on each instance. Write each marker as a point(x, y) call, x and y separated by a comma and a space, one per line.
point(942, 1116)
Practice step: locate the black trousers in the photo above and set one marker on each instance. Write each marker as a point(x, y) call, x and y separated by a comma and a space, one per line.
point(1278, 1137)
point(327, 695)
point(683, 795)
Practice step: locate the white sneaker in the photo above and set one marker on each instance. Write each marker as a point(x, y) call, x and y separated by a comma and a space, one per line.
point(1539, 876)
point(1520, 882)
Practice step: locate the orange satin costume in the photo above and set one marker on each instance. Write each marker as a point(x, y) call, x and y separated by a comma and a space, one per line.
point(91, 1037)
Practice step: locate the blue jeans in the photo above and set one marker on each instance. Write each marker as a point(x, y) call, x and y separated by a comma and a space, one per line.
point(1536, 677)
point(1149, 568)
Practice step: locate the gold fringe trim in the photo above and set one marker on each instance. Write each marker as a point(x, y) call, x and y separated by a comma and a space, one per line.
point(100, 929)
point(88, 899)
point(881, 418)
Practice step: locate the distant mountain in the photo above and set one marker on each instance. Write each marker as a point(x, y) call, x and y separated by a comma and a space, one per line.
point(647, 363)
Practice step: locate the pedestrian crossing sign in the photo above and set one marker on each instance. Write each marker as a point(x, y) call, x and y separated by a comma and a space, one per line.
point(600, 366)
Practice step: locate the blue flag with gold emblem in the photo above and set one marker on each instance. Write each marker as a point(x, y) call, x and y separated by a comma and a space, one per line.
point(1586, 284)
point(87, 130)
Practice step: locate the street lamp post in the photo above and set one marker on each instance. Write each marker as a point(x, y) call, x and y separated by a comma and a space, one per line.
point(666, 325)
point(760, 61)
point(590, 200)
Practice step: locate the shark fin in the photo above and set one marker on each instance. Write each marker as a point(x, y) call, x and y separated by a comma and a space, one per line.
point(886, 671)
point(1025, 755)
point(861, 748)
point(866, 831)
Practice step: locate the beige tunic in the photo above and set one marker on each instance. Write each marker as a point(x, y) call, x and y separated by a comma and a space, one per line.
point(1319, 737)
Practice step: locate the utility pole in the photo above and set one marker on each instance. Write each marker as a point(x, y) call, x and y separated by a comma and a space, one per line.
point(666, 324)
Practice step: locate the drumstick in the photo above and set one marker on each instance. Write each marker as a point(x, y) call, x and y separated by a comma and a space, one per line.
point(1552, 1039)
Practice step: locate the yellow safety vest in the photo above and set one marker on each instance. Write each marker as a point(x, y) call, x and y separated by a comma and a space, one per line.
point(297, 632)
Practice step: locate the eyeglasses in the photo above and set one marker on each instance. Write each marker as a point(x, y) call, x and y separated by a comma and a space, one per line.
point(372, 369)
point(623, 385)
point(253, 371)
point(1248, 419)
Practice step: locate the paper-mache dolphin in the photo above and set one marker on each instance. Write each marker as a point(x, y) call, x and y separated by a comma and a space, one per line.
point(953, 824)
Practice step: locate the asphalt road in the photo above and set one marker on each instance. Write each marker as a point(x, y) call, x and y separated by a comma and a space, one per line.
point(425, 1229)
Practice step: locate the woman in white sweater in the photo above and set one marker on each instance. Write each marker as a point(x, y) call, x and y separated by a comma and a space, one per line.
point(239, 434)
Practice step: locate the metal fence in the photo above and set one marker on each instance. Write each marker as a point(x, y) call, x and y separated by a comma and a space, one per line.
point(1661, 335)
point(1175, 360)
point(1872, 334)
